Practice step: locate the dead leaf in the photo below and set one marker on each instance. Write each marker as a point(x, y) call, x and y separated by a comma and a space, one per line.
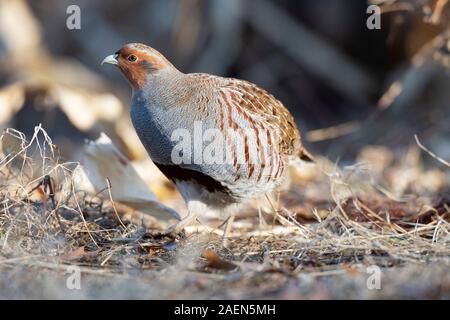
point(351, 271)
point(104, 161)
point(215, 262)
point(78, 254)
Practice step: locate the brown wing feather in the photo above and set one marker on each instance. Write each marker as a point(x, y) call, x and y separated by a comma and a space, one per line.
point(264, 106)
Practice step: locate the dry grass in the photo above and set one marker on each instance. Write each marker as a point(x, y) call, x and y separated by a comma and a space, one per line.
point(299, 245)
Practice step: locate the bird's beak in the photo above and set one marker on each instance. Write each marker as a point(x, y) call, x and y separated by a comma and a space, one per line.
point(111, 59)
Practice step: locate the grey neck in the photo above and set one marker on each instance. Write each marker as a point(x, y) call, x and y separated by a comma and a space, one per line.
point(162, 85)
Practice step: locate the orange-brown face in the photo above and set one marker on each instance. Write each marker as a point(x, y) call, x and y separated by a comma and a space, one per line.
point(137, 62)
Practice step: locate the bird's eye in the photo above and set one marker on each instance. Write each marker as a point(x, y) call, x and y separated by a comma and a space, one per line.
point(132, 58)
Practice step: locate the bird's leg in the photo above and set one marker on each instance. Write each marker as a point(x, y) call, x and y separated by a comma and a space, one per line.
point(274, 205)
point(226, 232)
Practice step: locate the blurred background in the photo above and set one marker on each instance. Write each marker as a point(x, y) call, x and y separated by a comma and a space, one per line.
point(348, 87)
point(358, 95)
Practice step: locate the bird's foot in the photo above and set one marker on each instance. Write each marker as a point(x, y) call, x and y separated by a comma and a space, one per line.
point(174, 231)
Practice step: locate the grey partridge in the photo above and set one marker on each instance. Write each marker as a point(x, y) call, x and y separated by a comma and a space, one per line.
point(220, 140)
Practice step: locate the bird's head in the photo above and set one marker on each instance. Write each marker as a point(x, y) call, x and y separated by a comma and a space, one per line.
point(137, 62)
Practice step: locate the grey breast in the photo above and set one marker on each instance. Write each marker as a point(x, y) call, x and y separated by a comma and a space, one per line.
point(149, 123)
